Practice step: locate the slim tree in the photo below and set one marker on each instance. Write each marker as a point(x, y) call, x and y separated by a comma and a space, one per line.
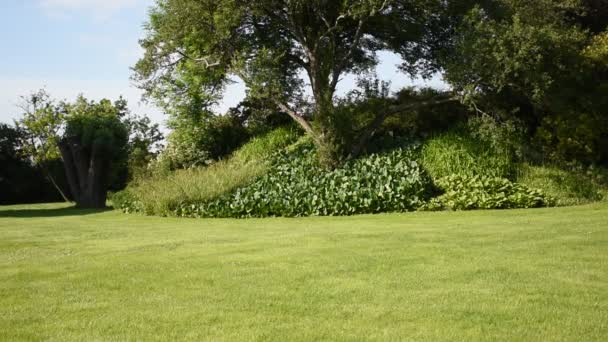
point(41, 125)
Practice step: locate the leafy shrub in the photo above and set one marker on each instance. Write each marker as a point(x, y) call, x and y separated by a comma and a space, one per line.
point(567, 187)
point(201, 139)
point(163, 193)
point(425, 120)
point(481, 192)
point(298, 186)
point(575, 136)
point(505, 137)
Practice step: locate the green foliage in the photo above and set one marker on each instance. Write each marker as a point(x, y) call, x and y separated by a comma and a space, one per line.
point(526, 45)
point(97, 126)
point(20, 180)
point(202, 139)
point(297, 186)
point(193, 48)
point(41, 124)
point(543, 62)
point(145, 142)
point(426, 120)
point(482, 192)
point(164, 192)
point(567, 187)
point(574, 136)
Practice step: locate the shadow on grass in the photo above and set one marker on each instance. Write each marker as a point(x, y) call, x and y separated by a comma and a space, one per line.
point(50, 212)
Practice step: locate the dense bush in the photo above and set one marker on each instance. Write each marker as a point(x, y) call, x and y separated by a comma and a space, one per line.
point(425, 120)
point(482, 192)
point(298, 186)
point(162, 193)
point(199, 140)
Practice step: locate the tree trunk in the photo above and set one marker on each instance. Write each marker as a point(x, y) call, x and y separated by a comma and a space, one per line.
point(86, 173)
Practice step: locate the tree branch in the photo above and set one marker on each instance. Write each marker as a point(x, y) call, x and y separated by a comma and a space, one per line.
point(297, 118)
point(204, 60)
point(335, 77)
point(369, 131)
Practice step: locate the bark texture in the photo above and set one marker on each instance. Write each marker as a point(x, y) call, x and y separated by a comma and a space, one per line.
point(86, 171)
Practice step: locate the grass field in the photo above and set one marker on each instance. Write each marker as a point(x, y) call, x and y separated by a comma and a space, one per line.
point(512, 275)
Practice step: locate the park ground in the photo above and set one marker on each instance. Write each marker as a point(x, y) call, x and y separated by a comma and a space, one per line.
point(68, 274)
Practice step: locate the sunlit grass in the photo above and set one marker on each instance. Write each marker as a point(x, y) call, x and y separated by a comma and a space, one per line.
point(518, 275)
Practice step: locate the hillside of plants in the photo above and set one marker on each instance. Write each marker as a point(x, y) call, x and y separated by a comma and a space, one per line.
point(482, 163)
point(520, 121)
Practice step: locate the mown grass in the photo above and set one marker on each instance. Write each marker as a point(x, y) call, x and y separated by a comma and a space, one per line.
point(516, 275)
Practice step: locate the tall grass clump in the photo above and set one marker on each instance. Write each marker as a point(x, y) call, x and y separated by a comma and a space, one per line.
point(162, 194)
point(568, 187)
point(484, 146)
point(458, 153)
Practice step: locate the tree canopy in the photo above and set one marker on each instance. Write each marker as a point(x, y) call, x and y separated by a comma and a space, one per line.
point(277, 47)
point(532, 52)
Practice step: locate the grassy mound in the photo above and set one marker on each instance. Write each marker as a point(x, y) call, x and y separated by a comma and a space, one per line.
point(276, 176)
point(162, 194)
point(297, 186)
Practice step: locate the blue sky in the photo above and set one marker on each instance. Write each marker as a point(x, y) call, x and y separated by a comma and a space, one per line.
point(87, 46)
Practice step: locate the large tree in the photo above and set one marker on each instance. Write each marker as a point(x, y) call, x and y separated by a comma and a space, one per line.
point(279, 47)
point(93, 143)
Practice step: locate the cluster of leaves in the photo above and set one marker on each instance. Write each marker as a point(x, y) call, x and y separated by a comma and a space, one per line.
point(482, 192)
point(298, 186)
point(97, 126)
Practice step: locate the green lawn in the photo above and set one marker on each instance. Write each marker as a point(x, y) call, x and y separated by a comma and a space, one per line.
point(511, 275)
